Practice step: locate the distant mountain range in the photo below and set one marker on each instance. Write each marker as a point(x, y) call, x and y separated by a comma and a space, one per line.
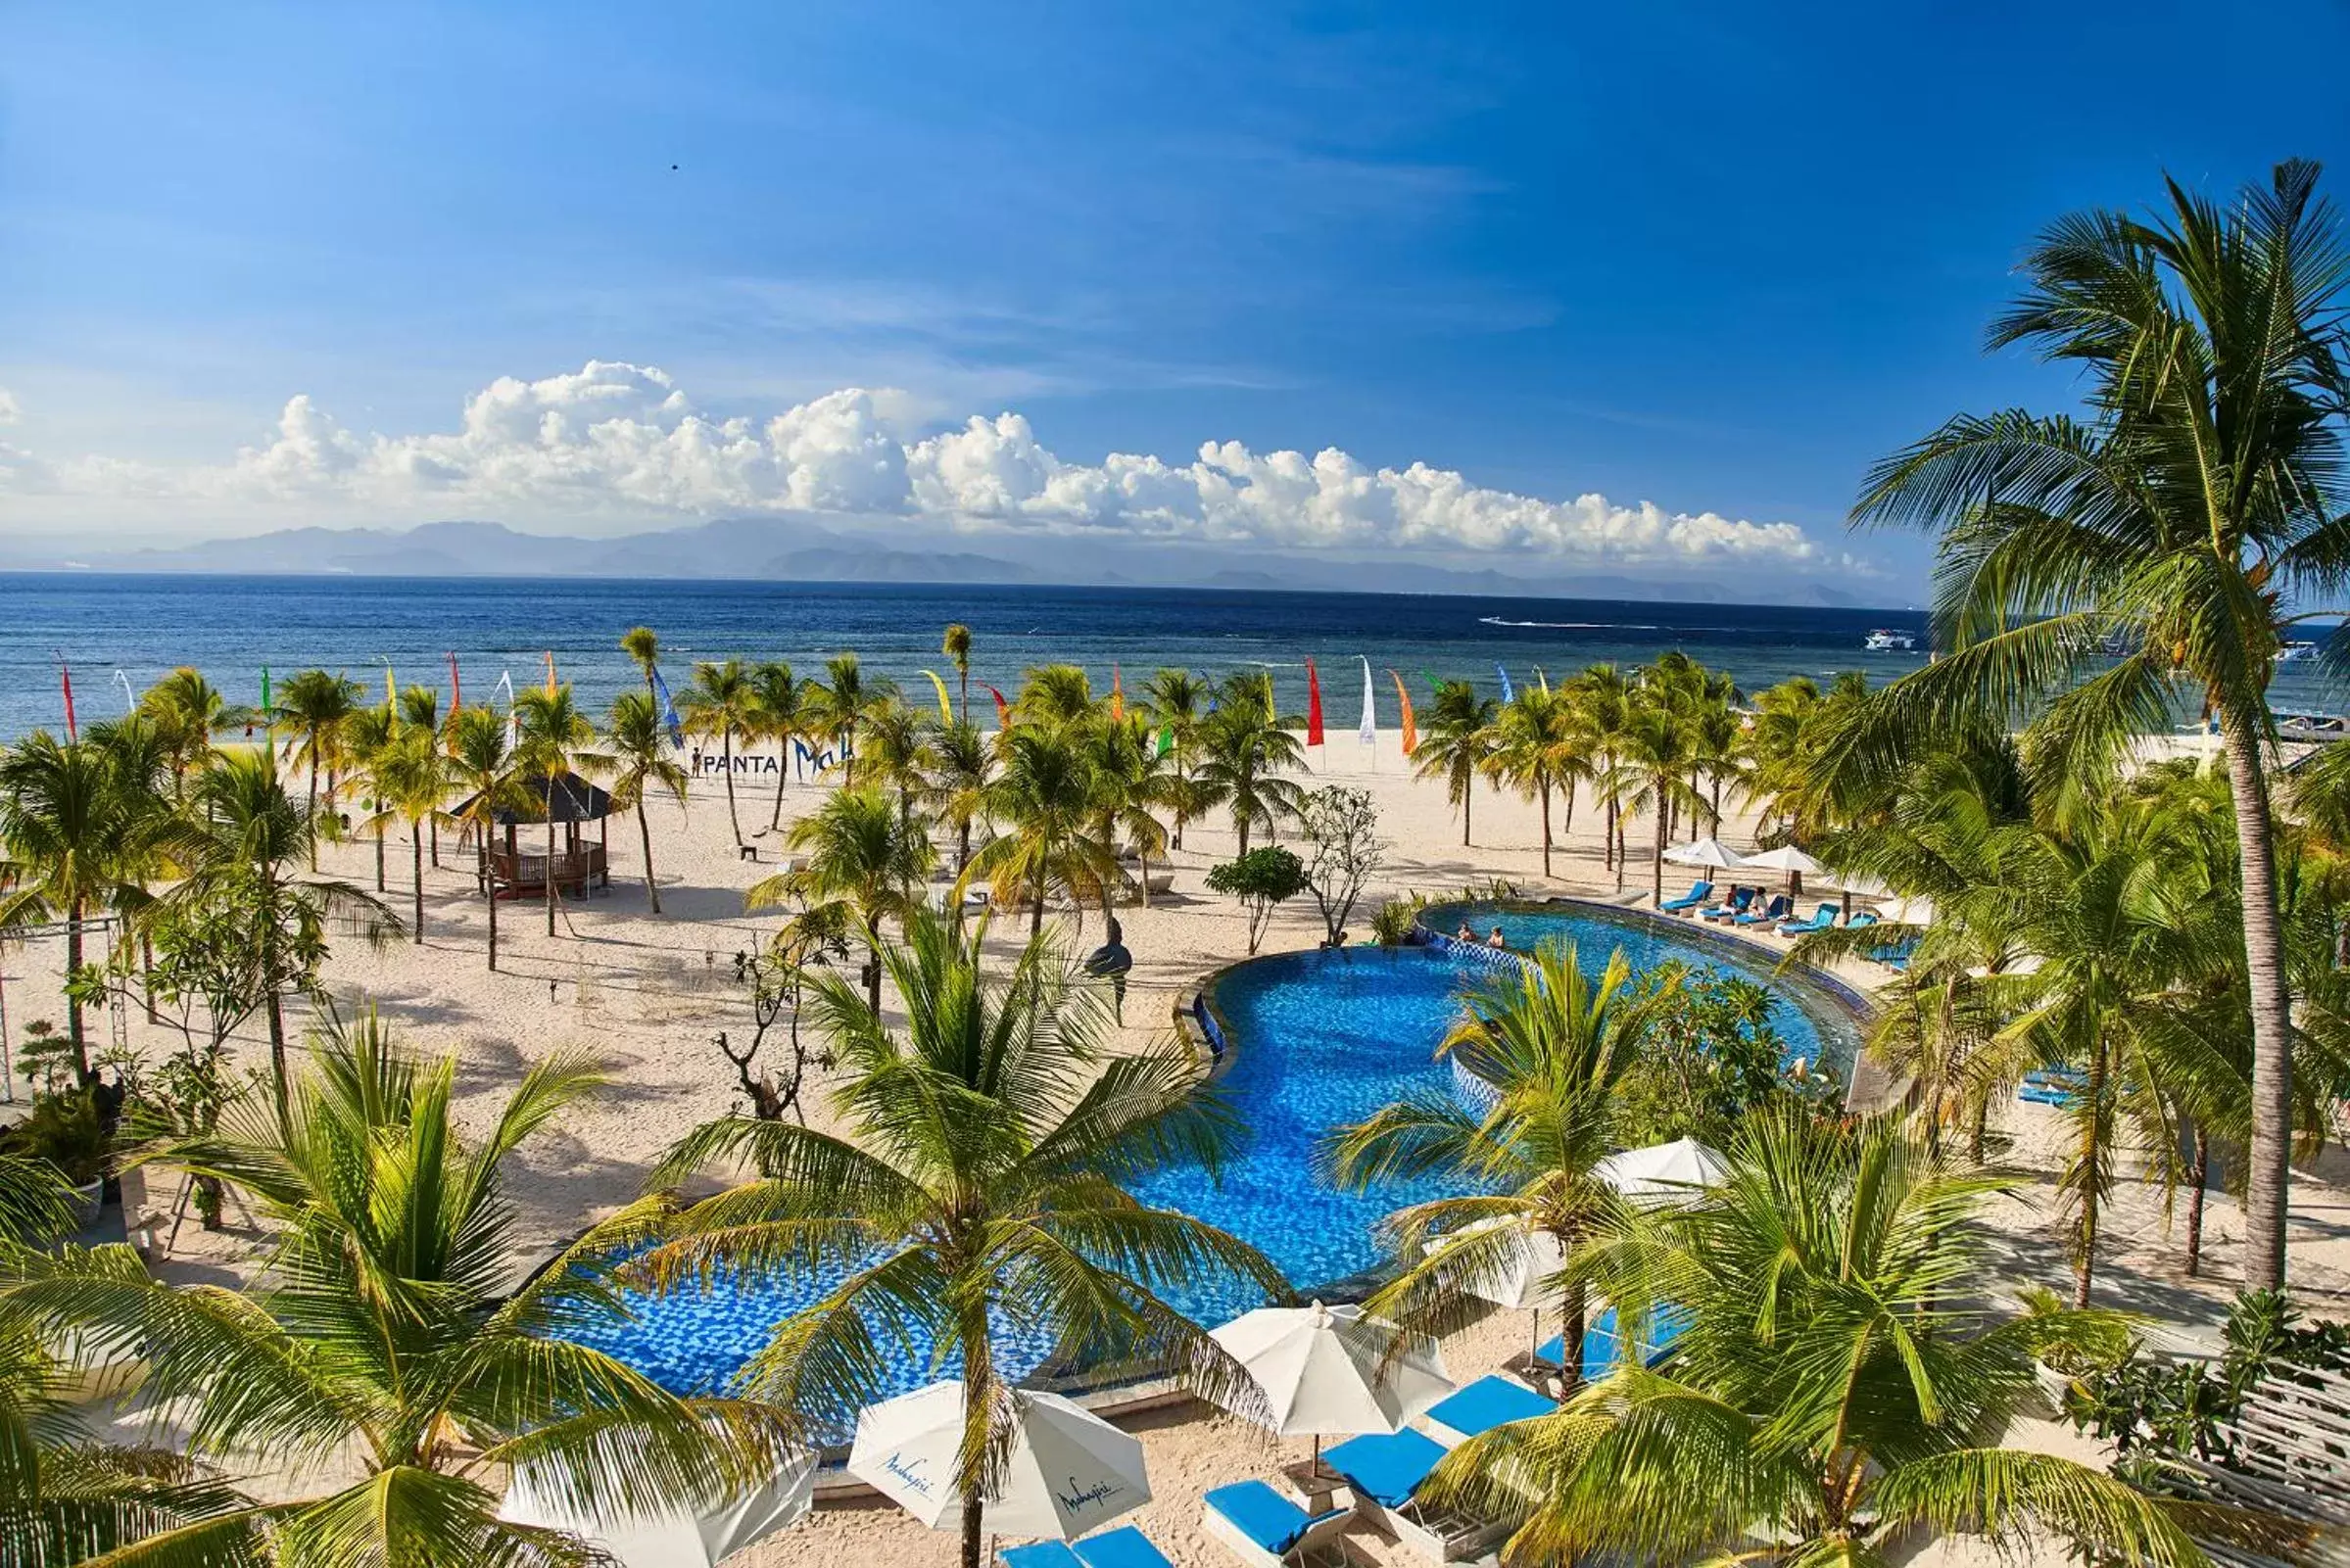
point(774, 550)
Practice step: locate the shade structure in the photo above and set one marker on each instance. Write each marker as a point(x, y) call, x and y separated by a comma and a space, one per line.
point(1522, 1282)
point(1328, 1370)
point(1787, 858)
point(1706, 851)
point(1068, 1470)
point(685, 1538)
point(1914, 911)
point(1663, 1172)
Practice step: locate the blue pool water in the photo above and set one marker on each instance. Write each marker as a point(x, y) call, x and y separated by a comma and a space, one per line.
point(1321, 1038)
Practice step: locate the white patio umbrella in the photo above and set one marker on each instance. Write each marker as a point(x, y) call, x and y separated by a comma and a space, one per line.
point(1789, 859)
point(1067, 1469)
point(1329, 1371)
point(1663, 1172)
point(1706, 852)
point(1522, 1283)
point(684, 1539)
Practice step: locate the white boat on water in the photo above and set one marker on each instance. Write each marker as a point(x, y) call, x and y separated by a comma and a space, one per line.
point(1883, 642)
point(2296, 652)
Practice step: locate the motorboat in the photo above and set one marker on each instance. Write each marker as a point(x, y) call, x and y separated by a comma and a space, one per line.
point(1885, 641)
point(2296, 652)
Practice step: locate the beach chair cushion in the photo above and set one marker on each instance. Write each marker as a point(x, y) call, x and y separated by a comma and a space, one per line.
point(1488, 1403)
point(1698, 893)
point(1385, 1466)
point(1262, 1515)
point(1123, 1548)
point(1042, 1554)
point(1776, 909)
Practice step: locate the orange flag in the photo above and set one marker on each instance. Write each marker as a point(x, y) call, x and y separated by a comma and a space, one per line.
point(551, 672)
point(1118, 697)
point(1403, 699)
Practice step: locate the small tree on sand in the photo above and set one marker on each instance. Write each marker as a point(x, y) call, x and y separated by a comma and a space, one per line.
point(1343, 849)
point(812, 940)
point(1261, 879)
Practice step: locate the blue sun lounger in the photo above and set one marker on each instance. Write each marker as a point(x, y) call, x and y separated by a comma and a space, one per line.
point(1742, 899)
point(1123, 1548)
point(1778, 909)
point(1384, 1470)
point(1491, 1401)
point(1862, 918)
point(1824, 920)
point(1263, 1528)
point(1698, 893)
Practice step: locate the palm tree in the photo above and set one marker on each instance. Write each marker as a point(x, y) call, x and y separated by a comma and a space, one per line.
point(190, 710)
point(1244, 747)
point(1056, 693)
point(368, 735)
point(74, 839)
point(1043, 800)
point(637, 754)
point(1533, 751)
point(956, 645)
point(960, 766)
point(643, 645)
point(1599, 706)
point(556, 741)
point(316, 706)
point(239, 842)
point(1834, 1388)
point(412, 778)
point(722, 703)
point(1177, 701)
point(895, 750)
point(977, 1178)
point(484, 765)
point(1656, 755)
point(421, 708)
point(1455, 742)
point(843, 704)
point(1131, 780)
point(781, 702)
point(387, 1330)
point(861, 854)
point(2197, 506)
point(1797, 750)
point(1554, 1045)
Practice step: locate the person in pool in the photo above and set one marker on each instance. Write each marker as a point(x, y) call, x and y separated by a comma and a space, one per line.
point(1467, 933)
point(1497, 939)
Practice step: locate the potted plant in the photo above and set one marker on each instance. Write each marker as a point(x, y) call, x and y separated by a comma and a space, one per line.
point(66, 1130)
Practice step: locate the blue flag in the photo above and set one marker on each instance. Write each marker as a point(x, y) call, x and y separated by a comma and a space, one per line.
point(1507, 695)
point(677, 731)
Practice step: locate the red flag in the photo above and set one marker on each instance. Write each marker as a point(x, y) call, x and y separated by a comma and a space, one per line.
point(1411, 731)
point(1313, 706)
point(65, 676)
point(1003, 709)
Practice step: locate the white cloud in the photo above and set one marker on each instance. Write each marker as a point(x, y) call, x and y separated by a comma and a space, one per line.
point(621, 441)
point(8, 406)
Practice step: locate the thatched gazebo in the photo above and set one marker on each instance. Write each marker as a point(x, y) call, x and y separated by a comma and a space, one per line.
point(513, 870)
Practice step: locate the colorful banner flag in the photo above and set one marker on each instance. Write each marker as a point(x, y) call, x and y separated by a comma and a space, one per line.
point(946, 709)
point(65, 676)
point(268, 703)
point(1543, 681)
point(1403, 699)
point(677, 731)
point(456, 691)
point(1003, 709)
point(1507, 695)
point(1313, 706)
point(551, 672)
point(514, 720)
point(1368, 734)
point(130, 699)
point(1166, 739)
point(1118, 696)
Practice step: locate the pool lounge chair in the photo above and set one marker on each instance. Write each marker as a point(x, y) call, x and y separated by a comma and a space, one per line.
point(1384, 1472)
point(1778, 909)
point(1698, 893)
point(1742, 899)
point(1478, 1407)
point(1263, 1528)
point(1123, 1548)
point(1822, 920)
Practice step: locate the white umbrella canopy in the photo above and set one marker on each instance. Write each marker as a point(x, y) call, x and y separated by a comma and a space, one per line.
point(1706, 852)
point(696, 1539)
point(1329, 1370)
point(1662, 1173)
point(1787, 858)
point(1524, 1282)
point(1068, 1470)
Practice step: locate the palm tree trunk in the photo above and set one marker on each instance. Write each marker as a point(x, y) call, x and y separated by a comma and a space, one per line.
point(276, 1008)
point(1607, 838)
point(644, 834)
point(782, 777)
point(416, 858)
point(963, 673)
point(81, 1051)
point(727, 746)
point(493, 891)
point(1468, 795)
point(547, 877)
point(436, 846)
point(2199, 1174)
point(1240, 821)
point(872, 975)
point(379, 857)
point(1036, 910)
point(2093, 1144)
point(310, 810)
point(1657, 860)
point(1570, 1337)
point(962, 848)
point(2268, 1181)
point(1545, 830)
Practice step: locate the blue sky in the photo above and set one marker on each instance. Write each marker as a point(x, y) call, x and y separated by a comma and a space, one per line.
point(1695, 256)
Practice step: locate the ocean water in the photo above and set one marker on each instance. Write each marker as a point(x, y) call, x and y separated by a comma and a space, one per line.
point(114, 630)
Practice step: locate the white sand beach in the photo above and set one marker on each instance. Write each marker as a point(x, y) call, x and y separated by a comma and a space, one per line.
point(646, 994)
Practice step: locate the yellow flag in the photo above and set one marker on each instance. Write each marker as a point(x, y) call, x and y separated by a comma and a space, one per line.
point(391, 692)
point(551, 672)
point(946, 709)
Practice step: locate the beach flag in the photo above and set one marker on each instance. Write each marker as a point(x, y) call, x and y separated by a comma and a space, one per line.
point(514, 720)
point(1369, 732)
point(946, 709)
point(1507, 695)
point(1003, 709)
point(267, 702)
point(65, 676)
point(1403, 699)
point(1118, 696)
point(1435, 681)
point(391, 690)
point(1313, 706)
point(677, 731)
point(456, 691)
point(1166, 739)
point(551, 672)
point(1543, 681)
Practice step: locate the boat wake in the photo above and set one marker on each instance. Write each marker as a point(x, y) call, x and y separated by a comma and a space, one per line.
point(1569, 626)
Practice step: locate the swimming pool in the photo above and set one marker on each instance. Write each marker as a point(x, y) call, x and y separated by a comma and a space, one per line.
point(1319, 1040)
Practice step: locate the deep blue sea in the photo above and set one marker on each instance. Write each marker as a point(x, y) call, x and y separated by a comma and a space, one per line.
point(117, 629)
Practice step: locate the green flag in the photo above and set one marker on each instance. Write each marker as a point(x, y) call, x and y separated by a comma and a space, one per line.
point(1166, 739)
point(265, 687)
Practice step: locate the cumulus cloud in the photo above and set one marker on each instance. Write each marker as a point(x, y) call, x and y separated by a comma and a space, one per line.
point(8, 406)
point(625, 440)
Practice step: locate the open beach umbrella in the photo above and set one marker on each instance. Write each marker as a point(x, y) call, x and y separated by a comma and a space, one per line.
point(1709, 851)
point(685, 1538)
point(1067, 1469)
point(1663, 1172)
point(1524, 1282)
point(1328, 1371)
point(1789, 859)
